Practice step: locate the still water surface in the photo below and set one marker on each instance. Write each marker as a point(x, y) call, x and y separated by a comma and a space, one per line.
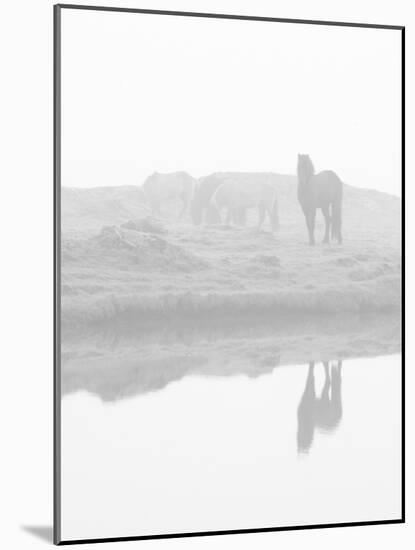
point(298, 445)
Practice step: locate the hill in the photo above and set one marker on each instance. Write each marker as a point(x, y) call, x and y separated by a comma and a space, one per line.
point(87, 210)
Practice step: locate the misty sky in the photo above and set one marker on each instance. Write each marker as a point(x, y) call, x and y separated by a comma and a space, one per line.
point(146, 92)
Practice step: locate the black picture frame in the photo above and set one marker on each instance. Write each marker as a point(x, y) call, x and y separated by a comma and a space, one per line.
point(57, 11)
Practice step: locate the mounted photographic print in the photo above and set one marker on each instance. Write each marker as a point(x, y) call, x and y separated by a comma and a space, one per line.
point(228, 274)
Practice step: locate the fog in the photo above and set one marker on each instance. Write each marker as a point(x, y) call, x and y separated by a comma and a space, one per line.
point(146, 92)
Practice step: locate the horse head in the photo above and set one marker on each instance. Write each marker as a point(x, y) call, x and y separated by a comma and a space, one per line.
point(305, 168)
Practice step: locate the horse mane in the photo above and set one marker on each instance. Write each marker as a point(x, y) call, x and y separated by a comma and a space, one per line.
point(305, 168)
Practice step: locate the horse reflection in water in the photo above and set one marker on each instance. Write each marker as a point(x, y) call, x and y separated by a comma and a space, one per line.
point(319, 413)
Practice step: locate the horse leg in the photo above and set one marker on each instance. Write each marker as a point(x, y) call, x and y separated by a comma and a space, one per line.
point(339, 235)
point(311, 219)
point(183, 209)
point(336, 211)
point(273, 214)
point(325, 394)
point(306, 413)
point(326, 214)
point(261, 214)
point(269, 211)
point(326, 373)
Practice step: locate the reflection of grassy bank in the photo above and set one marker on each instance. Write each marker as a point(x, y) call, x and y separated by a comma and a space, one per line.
point(118, 360)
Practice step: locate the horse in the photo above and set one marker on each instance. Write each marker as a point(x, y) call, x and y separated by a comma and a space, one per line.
point(323, 190)
point(324, 412)
point(159, 188)
point(237, 195)
point(201, 209)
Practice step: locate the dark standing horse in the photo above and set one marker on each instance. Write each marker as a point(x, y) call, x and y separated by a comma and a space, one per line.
point(322, 190)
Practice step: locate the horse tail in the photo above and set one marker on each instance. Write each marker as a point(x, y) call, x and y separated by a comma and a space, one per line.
point(213, 206)
point(336, 213)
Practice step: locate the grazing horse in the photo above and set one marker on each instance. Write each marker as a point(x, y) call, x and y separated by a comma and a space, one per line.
point(323, 190)
point(324, 412)
point(237, 195)
point(201, 209)
point(159, 188)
